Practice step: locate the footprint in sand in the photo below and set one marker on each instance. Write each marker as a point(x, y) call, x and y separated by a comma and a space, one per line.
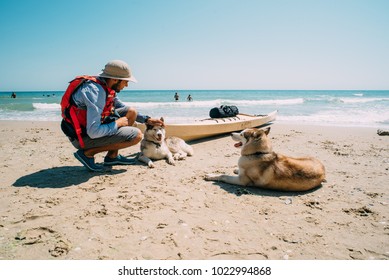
point(48, 237)
point(362, 211)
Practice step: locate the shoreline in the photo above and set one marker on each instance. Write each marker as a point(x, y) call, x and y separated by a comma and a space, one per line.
point(276, 122)
point(52, 208)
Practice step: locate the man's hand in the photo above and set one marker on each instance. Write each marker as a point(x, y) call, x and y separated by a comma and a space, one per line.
point(123, 121)
point(151, 121)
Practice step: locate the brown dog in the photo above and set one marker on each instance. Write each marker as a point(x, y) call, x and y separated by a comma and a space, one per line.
point(259, 166)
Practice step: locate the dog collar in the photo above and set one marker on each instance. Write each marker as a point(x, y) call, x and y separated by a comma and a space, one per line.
point(260, 154)
point(156, 144)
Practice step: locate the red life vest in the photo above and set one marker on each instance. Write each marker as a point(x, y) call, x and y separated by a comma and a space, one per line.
point(77, 116)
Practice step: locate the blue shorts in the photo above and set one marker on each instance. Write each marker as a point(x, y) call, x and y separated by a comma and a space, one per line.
point(124, 134)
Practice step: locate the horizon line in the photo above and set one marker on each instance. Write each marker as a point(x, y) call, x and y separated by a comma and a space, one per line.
point(177, 90)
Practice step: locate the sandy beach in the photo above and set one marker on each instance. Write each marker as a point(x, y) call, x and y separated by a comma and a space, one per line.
point(51, 207)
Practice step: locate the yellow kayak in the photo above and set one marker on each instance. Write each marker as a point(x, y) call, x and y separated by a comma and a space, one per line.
point(211, 127)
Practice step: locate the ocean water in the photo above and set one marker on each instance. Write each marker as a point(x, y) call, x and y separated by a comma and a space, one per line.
point(318, 107)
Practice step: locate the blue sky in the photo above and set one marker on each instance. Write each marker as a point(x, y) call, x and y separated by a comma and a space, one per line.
point(197, 44)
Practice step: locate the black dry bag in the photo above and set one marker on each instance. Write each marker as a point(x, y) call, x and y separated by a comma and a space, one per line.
point(224, 111)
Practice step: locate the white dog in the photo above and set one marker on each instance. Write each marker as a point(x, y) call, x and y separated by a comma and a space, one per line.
point(156, 146)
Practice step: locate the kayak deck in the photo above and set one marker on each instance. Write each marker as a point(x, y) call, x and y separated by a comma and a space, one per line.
point(215, 126)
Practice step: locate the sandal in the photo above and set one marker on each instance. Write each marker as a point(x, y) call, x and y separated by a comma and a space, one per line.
point(88, 162)
point(119, 160)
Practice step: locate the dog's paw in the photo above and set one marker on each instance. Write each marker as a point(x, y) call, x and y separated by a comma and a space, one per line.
point(176, 157)
point(179, 157)
point(171, 161)
point(211, 177)
point(151, 164)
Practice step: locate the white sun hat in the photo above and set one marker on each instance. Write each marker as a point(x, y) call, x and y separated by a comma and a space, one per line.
point(117, 69)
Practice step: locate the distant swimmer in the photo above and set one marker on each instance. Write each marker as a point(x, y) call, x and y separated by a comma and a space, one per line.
point(13, 95)
point(176, 96)
point(189, 98)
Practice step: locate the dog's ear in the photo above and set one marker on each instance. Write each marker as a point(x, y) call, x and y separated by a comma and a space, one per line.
point(247, 133)
point(163, 122)
point(257, 135)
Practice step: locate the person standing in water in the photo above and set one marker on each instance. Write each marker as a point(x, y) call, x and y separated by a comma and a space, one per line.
point(176, 96)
